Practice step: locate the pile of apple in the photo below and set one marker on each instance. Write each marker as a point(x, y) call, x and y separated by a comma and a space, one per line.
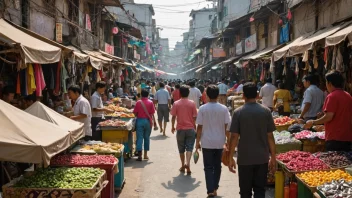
point(283, 121)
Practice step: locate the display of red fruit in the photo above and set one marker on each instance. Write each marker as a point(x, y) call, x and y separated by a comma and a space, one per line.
point(70, 159)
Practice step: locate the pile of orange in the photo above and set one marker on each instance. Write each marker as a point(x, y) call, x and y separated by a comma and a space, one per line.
point(317, 178)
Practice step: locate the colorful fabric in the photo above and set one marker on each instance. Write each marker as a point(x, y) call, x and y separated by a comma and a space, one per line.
point(23, 76)
point(39, 79)
point(64, 77)
point(31, 87)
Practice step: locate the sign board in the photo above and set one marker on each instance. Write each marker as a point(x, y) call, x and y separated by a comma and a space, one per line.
point(218, 52)
point(58, 36)
point(88, 23)
point(109, 49)
point(250, 44)
point(239, 49)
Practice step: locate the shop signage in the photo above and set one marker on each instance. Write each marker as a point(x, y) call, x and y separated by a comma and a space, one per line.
point(218, 52)
point(109, 49)
point(88, 23)
point(239, 50)
point(58, 36)
point(250, 44)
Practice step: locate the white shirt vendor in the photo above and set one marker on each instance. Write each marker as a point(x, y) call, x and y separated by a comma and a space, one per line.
point(82, 106)
point(97, 103)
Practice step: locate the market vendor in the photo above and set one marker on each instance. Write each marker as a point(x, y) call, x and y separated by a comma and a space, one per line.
point(313, 98)
point(337, 115)
point(98, 109)
point(81, 109)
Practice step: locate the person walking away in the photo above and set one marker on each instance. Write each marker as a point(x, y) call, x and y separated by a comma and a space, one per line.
point(212, 121)
point(153, 90)
point(267, 93)
point(223, 87)
point(81, 110)
point(176, 95)
point(163, 99)
point(185, 111)
point(144, 111)
point(337, 115)
point(313, 98)
point(282, 99)
point(254, 142)
point(194, 93)
point(98, 109)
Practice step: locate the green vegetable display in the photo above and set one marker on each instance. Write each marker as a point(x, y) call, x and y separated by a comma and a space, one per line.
point(66, 178)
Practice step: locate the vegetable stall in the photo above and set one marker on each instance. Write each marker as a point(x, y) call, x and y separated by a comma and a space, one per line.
point(304, 168)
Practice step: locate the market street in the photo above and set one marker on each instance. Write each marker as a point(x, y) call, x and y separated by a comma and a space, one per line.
point(159, 177)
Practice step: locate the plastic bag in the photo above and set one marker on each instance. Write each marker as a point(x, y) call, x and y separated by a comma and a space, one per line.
point(195, 157)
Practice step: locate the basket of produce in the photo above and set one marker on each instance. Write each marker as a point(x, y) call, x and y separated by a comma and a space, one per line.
point(283, 123)
point(336, 188)
point(334, 159)
point(313, 179)
point(121, 115)
point(116, 124)
point(299, 161)
point(92, 148)
point(284, 142)
point(58, 182)
point(312, 141)
point(118, 108)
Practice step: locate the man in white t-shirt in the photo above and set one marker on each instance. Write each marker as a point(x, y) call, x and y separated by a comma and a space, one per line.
point(81, 110)
point(212, 121)
point(267, 94)
point(194, 93)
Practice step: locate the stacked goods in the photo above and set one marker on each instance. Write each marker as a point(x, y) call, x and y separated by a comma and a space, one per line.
point(298, 161)
point(336, 189)
point(285, 137)
point(317, 178)
point(118, 109)
point(64, 178)
point(103, 148)
point(68, 159)
point(112, 123)
point(334, 159)
point(305, 134)
point(121, 114)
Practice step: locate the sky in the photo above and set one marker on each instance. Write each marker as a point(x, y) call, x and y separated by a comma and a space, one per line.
point(173, 16)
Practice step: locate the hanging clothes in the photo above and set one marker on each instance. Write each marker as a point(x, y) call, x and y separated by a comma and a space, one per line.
point(315, 58)
point(333, 64)
point(297, 66)
point(18, 84)
point(326, 55)
point(23, 76)
point(64, 77)
point(31, 87)
point(339, 60)
point(58, 79)
point(285, 33)
point(39, 78)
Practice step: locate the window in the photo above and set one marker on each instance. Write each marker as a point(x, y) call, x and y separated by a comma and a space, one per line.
point(210, 17)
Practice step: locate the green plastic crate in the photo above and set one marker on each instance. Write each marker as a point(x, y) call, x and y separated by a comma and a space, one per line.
point(303, 191)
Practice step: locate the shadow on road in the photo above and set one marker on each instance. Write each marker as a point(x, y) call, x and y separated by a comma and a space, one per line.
point(159, 137)
point(136, 164)
point(182, 184)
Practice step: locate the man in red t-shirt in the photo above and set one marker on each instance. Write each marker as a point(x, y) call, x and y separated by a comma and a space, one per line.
point(337, 115)
point(185, 111)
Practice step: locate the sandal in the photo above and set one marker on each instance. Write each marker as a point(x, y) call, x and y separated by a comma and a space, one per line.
point(188, 171)
point(182, 169)
point(156, 128)
point(211, 195)
point(139, 159)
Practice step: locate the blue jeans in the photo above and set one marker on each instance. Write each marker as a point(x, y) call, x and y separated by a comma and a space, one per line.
point(212, 168)
point(143, 130)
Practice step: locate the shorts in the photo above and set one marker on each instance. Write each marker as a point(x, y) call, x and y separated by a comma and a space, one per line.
point(186, 140)
point(163, 112)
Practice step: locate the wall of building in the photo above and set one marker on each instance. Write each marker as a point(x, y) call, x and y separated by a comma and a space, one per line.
point(333, 11)
point(144, 16)
point(12, 12)
point(234, 9)
point(39, 22)
point(202, 24)
point(273, 23)
point(303, 19)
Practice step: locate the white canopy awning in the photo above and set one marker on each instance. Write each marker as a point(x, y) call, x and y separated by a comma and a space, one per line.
point(261, 53)
point(41, 111)
point(307, 43)
point(278, 54)
point(340, 36)
point(34, 50)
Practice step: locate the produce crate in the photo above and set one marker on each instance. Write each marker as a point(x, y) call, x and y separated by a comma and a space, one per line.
point(313, 146)
point(76, 150)
point(283, 148)
point(282, 127)
point(110, 170)
point(8, 191)
point(115, 136)
point(119, 178)
point(303, 190)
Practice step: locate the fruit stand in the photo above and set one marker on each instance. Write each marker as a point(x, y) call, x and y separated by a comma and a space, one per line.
point(106, 162)
point(58, 183)
point(102, 148)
